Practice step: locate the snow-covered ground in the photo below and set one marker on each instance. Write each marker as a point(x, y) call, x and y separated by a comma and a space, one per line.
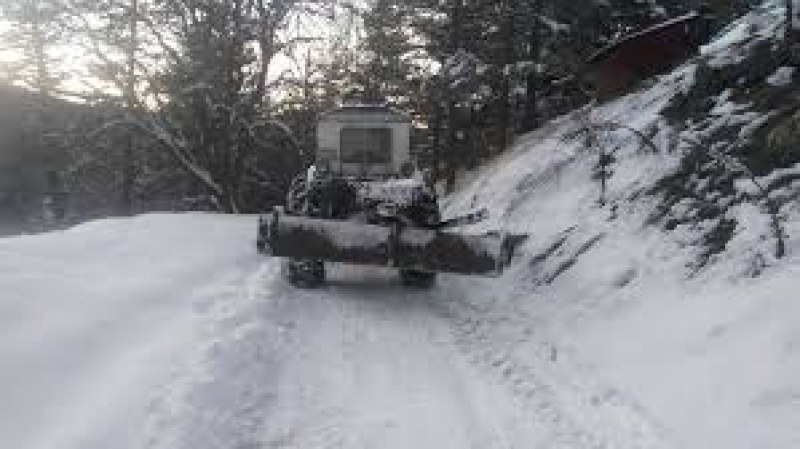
point(94, 318)
point(610, 313)
point(605, 313)
point(170, 332)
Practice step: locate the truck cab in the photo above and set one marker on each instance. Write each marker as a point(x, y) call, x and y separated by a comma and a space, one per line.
point(365, 141)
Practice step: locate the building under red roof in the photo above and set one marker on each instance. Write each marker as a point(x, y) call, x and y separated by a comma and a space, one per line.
point(618, 66)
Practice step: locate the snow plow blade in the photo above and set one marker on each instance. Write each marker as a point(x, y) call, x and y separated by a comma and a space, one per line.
point(356, 243)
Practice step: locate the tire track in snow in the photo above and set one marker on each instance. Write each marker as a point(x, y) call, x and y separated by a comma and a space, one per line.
point(581, 411)
point(374, 367)
point(366, 363)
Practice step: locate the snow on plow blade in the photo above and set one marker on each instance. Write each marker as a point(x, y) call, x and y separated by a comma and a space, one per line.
point(349, 242)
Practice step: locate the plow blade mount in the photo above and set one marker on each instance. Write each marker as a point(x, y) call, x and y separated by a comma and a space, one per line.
point(402, 247)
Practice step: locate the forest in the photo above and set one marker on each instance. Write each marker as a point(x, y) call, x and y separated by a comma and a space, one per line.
point(116, 107)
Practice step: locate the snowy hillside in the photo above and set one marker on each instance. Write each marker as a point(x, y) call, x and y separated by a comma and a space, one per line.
point(661, 319)
point(657, 312)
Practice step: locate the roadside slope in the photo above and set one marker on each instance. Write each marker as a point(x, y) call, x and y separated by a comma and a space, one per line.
point(658, 310)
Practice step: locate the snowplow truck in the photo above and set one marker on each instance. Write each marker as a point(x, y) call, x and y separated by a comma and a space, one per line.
point(363, 203)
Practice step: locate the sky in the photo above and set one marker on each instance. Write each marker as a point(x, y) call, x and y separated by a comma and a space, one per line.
point(72, 59)
point(69, 58)
point(5, 55)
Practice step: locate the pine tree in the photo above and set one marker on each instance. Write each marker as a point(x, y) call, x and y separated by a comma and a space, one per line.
point(391, 66)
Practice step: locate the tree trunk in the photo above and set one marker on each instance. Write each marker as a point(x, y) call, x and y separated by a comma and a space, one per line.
point(42, 73)
point(508, 11)
point(470, 143)
point(436, 143)
point(128, 166)
point(452, 144)
point(266, 43)
point(456, 43)
point(531, 114)
point(791, 36)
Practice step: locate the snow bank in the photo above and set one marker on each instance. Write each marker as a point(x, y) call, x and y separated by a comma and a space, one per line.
point(95, 319)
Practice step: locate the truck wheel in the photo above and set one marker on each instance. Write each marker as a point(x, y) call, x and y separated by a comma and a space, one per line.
point(417, 279)
point(304, 273)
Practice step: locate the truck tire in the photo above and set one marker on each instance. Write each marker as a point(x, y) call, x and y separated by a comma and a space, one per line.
point(417, 279)
point(304, 273)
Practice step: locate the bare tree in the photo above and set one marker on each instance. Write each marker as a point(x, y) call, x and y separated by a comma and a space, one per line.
point(212, 96)
point(35, 27)
point(193, 76)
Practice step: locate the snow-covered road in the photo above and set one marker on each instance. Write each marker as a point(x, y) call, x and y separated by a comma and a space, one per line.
point(373, 365)
point(170, 332)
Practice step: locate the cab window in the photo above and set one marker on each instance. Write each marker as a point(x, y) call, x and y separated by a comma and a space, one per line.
point(366, 145)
